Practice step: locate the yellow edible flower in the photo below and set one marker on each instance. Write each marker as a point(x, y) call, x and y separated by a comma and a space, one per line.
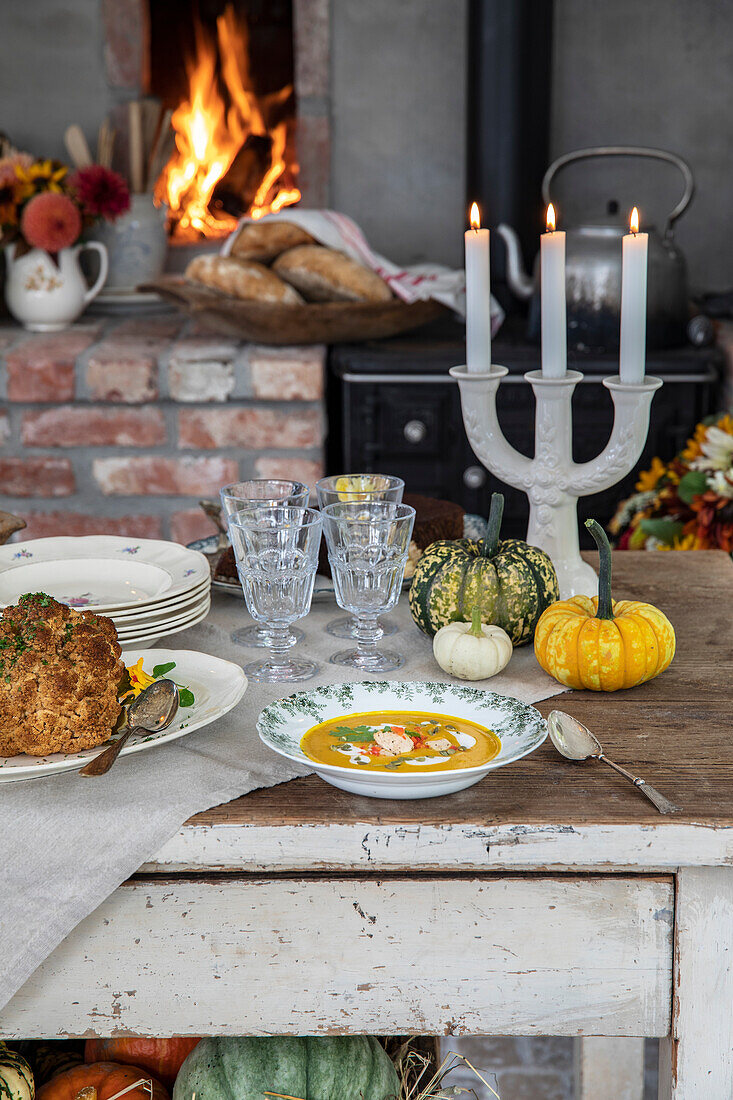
point(139, 679)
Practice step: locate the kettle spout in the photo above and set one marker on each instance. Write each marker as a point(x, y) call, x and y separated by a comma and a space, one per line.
point(517, 278)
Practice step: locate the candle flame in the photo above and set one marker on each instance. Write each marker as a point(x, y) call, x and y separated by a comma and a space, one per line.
point(475, 217)
point(551, 219)
point(634, 221)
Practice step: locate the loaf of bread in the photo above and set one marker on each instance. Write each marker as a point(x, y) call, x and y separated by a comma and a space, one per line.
point(265, 240)
point(323, 275)
point(242, 279)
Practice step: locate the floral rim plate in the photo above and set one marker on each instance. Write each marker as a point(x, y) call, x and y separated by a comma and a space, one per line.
point(152, 634)
point(217, 686)
point(100, 572)
point(521, 728)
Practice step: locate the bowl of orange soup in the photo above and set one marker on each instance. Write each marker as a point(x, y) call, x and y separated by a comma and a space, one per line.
point(386, 739)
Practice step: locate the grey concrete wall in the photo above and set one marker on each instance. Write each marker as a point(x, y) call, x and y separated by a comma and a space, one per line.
point(656, 72)
point(398, 73)
point(52, 72)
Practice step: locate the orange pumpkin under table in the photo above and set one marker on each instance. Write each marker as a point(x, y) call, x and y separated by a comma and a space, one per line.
point(161, 1057)
point(105, 1079)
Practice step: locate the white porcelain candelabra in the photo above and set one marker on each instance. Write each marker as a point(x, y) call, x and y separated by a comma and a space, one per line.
point(551, 480)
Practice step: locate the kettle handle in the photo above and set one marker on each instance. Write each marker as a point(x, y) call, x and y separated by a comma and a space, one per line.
point(626, 151)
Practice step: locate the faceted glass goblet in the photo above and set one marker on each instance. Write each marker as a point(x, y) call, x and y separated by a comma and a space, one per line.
point(353, 489)
point(367, 548)
point(276, 549)
point(264, 491)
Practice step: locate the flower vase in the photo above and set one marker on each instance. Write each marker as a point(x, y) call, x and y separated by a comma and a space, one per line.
point(136, 243)
point(46, 296)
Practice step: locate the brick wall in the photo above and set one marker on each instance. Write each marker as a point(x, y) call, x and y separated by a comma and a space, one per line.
point(120, 425)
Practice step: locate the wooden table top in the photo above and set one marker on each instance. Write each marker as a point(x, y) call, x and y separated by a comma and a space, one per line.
point(675, 731)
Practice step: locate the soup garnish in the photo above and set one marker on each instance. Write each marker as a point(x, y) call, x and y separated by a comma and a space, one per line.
point(400, 741)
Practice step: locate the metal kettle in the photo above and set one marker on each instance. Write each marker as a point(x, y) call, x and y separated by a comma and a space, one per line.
point(593, 267)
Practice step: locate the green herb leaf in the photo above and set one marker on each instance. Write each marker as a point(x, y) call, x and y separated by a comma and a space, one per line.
point(161, 670)
point(186, 697)
point(361, 734)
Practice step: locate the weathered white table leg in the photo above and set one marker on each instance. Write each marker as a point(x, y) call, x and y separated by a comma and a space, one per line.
point(609, 1069)
point(696, 1061)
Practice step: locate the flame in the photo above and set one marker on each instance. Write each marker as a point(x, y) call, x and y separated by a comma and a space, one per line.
point(209, 134)
point(475, 216)
point(634, 221)
point(551, 221)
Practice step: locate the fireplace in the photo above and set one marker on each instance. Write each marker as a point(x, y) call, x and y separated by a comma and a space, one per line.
point(223, 73)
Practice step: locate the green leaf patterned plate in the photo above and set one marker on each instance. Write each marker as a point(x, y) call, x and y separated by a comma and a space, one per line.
point(520, 727)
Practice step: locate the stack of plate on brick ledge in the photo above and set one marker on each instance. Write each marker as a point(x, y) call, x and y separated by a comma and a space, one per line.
point(149, 588)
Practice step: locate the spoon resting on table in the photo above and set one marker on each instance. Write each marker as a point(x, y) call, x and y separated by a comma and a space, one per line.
point(576, 742)
point(151, 711)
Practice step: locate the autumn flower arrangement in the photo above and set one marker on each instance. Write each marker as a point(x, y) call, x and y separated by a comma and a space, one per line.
point(686, 504)
point(44, 205)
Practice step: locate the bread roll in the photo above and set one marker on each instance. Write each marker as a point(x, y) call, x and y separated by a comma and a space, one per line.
point(241, 279)
point(323, 275)
point(263, 241)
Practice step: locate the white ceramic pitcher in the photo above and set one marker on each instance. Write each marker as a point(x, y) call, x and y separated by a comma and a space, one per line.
point(45, 297)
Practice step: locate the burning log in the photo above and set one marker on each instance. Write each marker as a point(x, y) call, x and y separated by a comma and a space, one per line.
point(236, 191)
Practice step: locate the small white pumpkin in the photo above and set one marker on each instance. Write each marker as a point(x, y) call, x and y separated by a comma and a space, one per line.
point(472, 651)
point(16, 1078)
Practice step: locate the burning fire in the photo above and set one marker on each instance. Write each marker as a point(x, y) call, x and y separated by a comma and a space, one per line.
point(210, 133)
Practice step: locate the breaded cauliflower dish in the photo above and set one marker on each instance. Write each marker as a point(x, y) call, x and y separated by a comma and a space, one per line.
point(60, 671)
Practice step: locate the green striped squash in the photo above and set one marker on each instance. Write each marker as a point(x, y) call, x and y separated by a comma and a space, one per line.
point(311, 1067)
point(16, 1079)
point(509, 581)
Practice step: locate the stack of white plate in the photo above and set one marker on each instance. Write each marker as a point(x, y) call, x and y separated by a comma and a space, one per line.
point(149, 588)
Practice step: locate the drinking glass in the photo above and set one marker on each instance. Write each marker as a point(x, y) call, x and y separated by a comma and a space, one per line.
point(367, 549)
point(276, 549)
point(265, 491)
point(353, 489)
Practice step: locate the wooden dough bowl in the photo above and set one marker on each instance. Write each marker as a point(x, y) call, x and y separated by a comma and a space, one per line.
point(316, 323)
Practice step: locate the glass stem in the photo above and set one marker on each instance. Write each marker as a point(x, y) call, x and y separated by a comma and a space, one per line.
point(367, 633)
point(280, 640)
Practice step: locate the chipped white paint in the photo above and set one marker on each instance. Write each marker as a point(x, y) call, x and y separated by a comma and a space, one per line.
point(609, 1069)
point(696, 1062)
point(508, 956)
point(370, 847)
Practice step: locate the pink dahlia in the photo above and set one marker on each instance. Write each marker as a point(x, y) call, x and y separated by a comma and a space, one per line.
point(101, 192)
point(50, 221)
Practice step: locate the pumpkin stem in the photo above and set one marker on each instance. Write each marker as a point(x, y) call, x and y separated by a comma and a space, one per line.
point(476, 623)
point(605, 604)
point(496, 511)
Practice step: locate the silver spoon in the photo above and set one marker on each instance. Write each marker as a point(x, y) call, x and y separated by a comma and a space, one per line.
point(152, 710)
point(575, 741)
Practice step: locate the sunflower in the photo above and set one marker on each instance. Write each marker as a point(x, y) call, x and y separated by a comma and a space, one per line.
point(691, 541)
point(649, 479)
point(42, 175)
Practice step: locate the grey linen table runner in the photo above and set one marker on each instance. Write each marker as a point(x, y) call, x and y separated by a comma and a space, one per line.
point(67, 842)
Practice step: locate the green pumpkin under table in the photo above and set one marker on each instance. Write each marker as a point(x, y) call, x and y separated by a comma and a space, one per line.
point(548, 899)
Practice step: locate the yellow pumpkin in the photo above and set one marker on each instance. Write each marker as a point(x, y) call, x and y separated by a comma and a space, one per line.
point(599, 644)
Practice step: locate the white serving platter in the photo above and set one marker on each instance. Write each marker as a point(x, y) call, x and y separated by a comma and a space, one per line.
point(217, 686)
point(100, 572)
point(520, 727)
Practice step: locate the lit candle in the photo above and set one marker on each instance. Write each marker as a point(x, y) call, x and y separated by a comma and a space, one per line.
point(632, 356)
point(552, 291)
point(478, 296)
